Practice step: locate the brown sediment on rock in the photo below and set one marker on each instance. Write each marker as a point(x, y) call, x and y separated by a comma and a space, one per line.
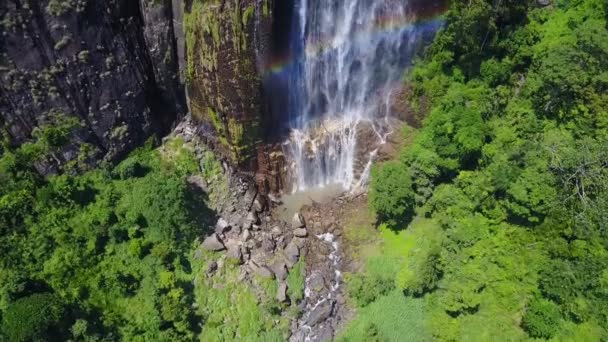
point(222, 73)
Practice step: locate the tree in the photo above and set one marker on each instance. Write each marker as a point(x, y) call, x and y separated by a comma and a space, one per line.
point(32, 317)
point(391, 194)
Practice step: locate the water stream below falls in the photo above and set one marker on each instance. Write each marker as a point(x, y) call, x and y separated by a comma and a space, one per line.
point(351, 55)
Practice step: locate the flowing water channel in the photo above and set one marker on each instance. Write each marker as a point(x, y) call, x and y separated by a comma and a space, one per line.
point(350, 56)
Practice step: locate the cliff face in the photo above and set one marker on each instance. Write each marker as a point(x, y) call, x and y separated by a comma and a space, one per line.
point(227, 42)
point(112, 63)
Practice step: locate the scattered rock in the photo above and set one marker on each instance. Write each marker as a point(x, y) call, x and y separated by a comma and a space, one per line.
point(319, 313)
point(198, 254)
point(300, 232)
point(246, 235)
point(274, 199)
point(292, 254)
point(252, 218)
point(298, 241)
point(316, 282)
point(282, 292)
point(317, 227)
point(276, 231)
point(221, 226)
point(298, 221)
point(259, 204)
point(213, 243)
point(325, 334)
point(268, 244)
point(212, 267)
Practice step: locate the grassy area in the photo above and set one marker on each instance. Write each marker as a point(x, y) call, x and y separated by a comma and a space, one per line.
point(393, 317)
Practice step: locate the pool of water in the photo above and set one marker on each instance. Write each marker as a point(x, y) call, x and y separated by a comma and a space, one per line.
point(292, 203)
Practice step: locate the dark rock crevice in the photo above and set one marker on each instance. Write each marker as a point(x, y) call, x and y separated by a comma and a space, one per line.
point(113, 64)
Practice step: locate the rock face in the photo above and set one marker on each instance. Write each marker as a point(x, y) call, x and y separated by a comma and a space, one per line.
point(226, 43)
point(112, 64)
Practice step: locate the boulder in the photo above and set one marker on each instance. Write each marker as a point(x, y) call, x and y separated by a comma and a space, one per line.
point(252, 218)
point(543, 3)
point(259, 204)
point(261, 270)
point(298, 221)
point(221, 226)
point(320, 313)
point(213, 243)
point(292, 254)
point(282, 292)
point(234, 253)
point(300, 232)
point(279, 269)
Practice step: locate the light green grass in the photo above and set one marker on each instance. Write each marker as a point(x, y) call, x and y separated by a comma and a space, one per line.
point(396, 317)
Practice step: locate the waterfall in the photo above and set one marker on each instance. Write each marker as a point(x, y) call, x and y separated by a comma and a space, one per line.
point(351, 55)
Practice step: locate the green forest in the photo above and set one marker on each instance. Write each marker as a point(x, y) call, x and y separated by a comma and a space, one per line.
point(113, 253)
point(494, 216)
point(491, 224)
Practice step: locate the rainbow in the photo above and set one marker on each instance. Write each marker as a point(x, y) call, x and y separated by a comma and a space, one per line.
point(425, 20)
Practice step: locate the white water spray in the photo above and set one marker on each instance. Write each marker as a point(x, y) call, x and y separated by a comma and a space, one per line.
point(352, 53)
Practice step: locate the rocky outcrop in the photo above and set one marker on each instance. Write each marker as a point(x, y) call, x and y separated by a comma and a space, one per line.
point(225, 44)
point(112, 64)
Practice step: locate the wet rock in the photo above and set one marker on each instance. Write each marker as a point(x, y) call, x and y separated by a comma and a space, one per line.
point(325, 334)
point(274, 199)
point(221, 226)
point(213, 243)
point(282, 292)
point(279, 269)
point(300, 232)
point(298, 221)
point(320, 313)
point(292, 254)
point(316, 282)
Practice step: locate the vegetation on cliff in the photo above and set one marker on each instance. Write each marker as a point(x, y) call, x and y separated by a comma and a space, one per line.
point(113, 253)
point(495, 216)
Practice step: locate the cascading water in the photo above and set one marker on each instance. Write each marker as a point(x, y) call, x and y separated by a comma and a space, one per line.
point(350, 56)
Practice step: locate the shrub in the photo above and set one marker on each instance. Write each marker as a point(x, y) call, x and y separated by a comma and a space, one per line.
point(541, 318)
